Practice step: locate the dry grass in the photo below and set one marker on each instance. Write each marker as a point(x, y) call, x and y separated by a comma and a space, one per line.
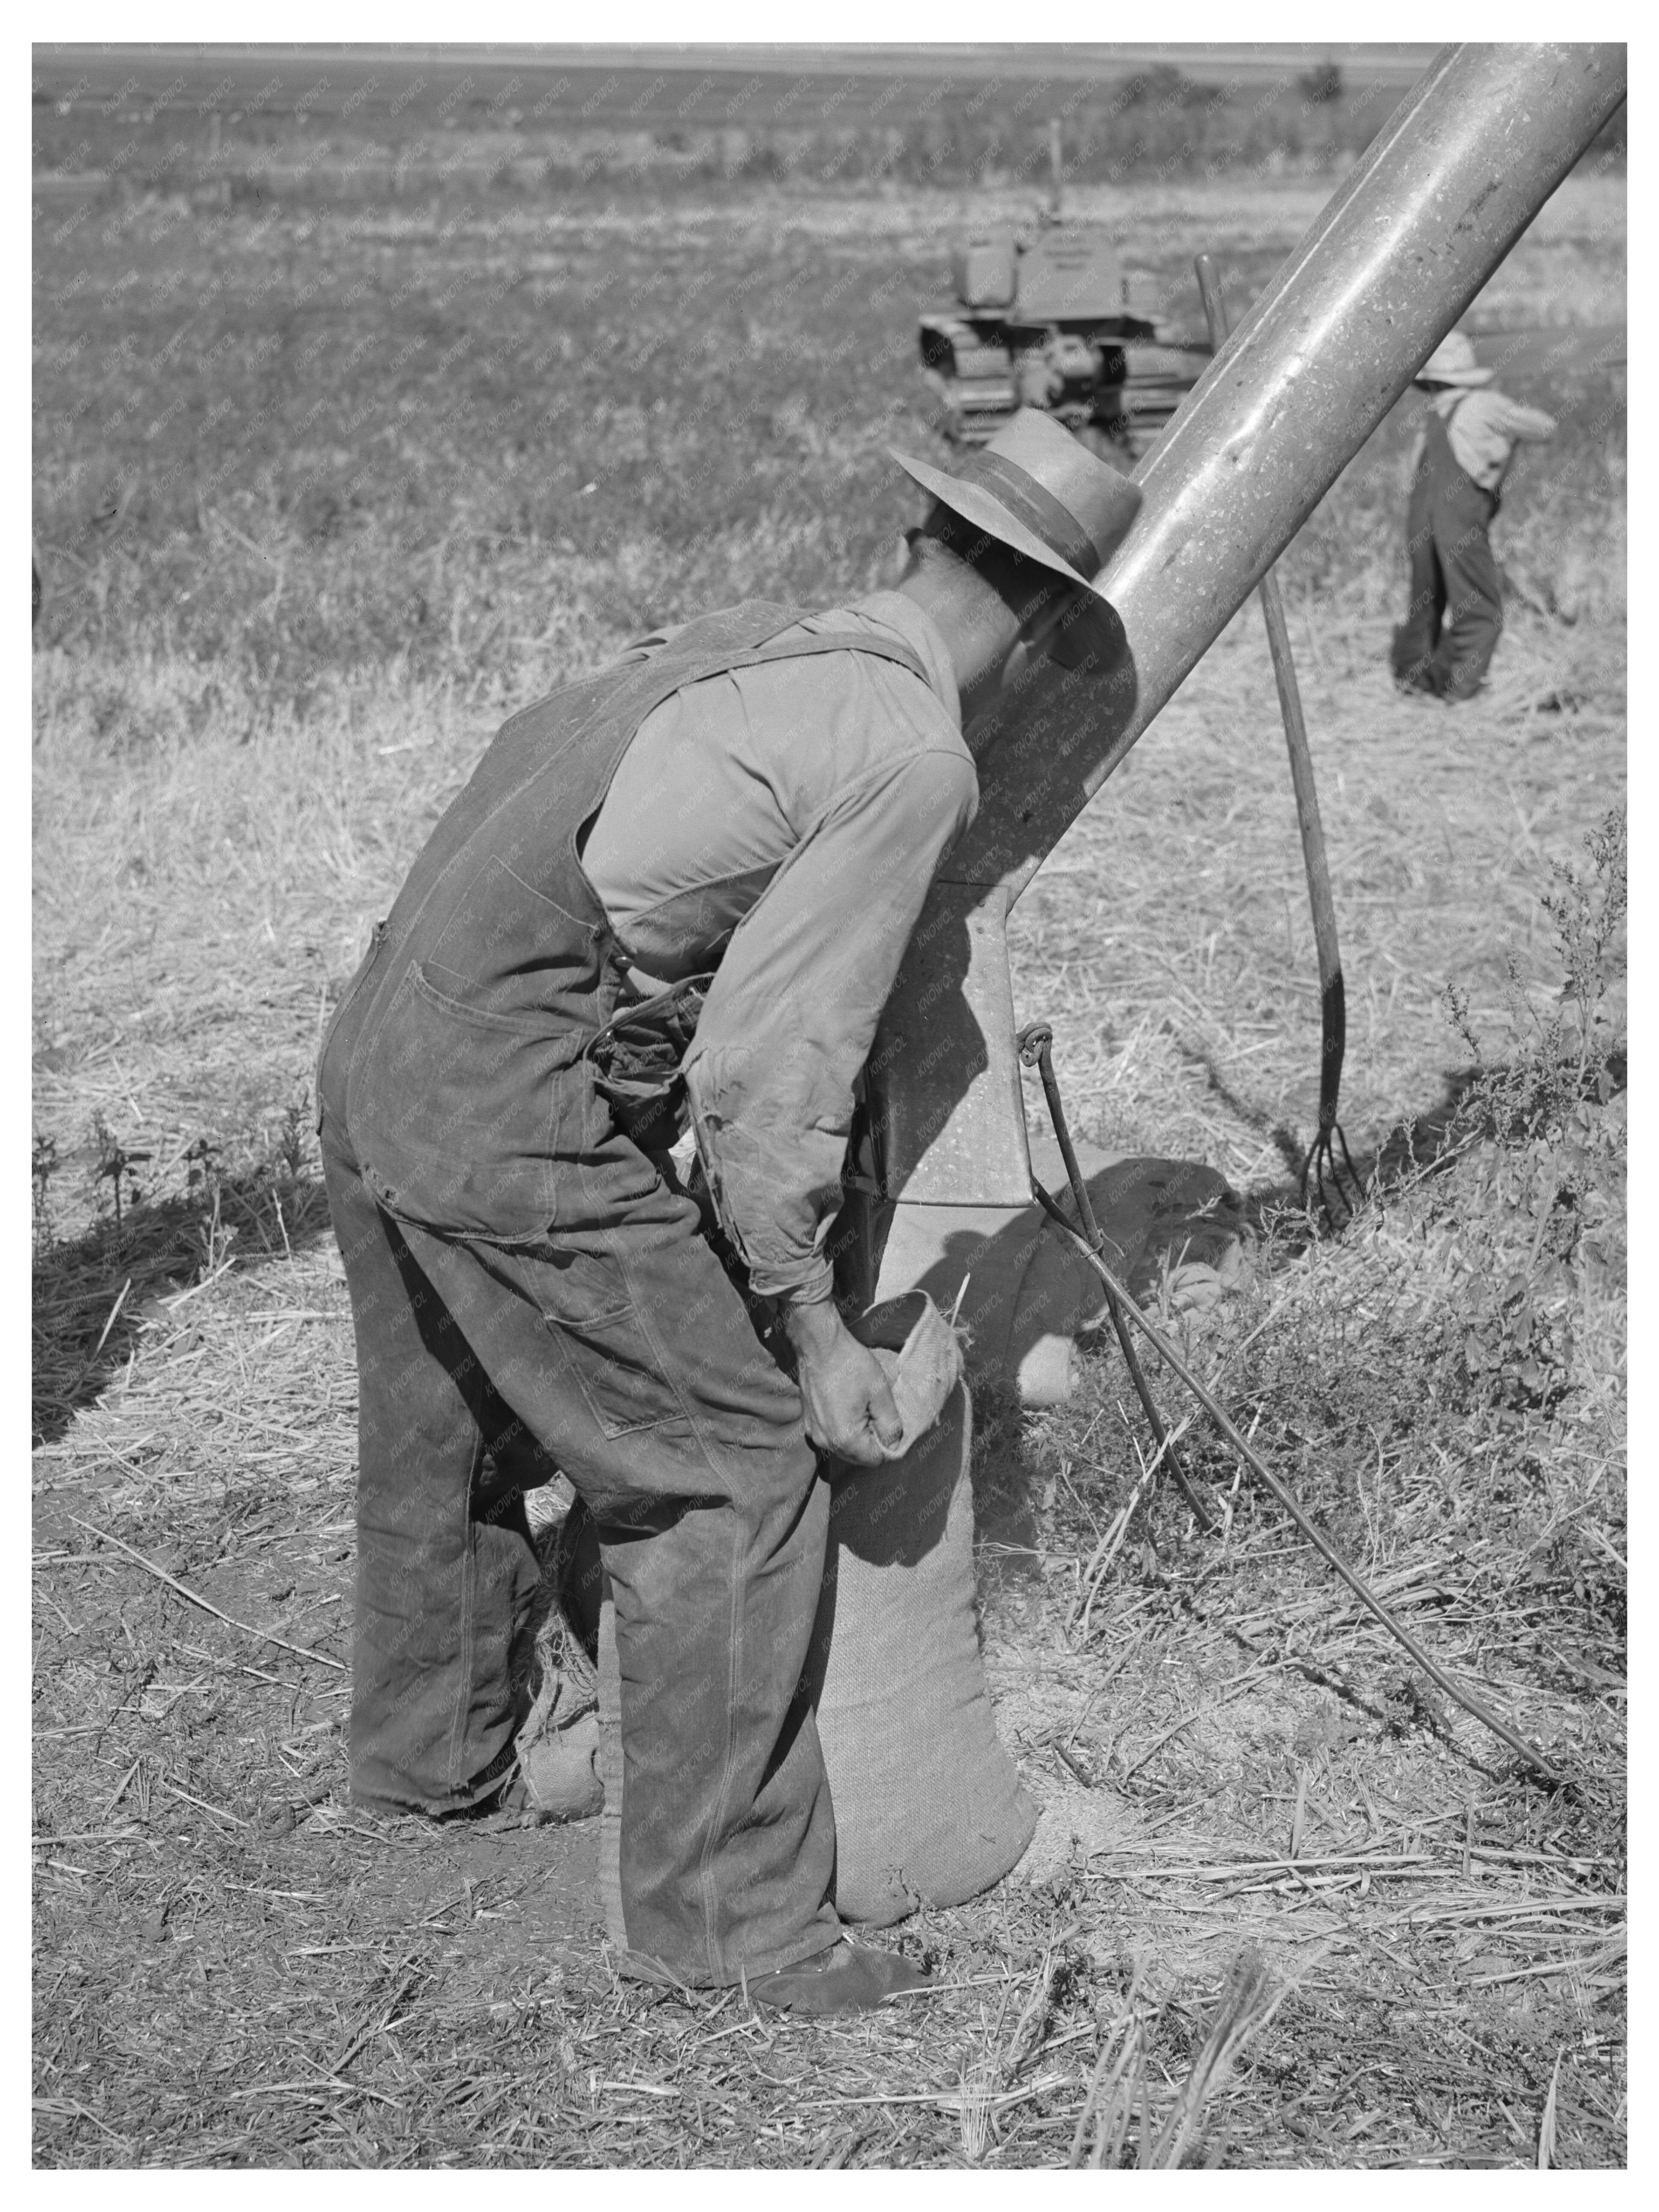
point(232, 1965)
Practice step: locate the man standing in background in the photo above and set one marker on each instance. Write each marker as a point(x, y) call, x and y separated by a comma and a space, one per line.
point(1446, 642)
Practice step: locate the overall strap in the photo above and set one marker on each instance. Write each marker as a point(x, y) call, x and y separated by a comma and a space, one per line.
point(773, 647)
point(747, 644)
point(769, 647)
point(836, 641)
point(1445, 419)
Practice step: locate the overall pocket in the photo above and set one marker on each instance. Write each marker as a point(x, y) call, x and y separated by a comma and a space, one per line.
point(602, 1343)
point(460, 1116)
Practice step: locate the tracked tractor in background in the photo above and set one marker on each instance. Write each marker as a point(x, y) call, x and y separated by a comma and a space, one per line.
point(1044, 318)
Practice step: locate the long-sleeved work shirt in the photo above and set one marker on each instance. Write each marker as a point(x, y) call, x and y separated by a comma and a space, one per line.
point(1483, 428)
point(782, 824)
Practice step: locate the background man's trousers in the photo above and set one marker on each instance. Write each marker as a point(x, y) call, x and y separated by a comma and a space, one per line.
point(621, 1354)
point(1455, 612)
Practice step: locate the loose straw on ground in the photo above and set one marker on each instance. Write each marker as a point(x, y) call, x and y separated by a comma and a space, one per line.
point(195, 1597)
point(1355, 1581)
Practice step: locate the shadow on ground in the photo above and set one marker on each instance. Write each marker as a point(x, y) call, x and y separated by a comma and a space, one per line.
point(1409, 1147)
point(91, 1293)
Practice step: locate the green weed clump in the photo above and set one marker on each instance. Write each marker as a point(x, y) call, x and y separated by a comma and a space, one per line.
point(1549, 1132)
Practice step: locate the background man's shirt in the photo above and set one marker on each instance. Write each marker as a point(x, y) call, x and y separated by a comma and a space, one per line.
point(1483, 428)
point(783, 823)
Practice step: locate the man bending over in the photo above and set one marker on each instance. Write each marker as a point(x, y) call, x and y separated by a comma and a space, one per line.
point(727, 834)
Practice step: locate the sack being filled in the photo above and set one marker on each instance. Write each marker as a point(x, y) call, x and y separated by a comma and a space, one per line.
point(929, 1808)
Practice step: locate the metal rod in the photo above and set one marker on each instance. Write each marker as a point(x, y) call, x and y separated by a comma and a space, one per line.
point(1035, 1044)
point(1333, 999)
point(1276, 1489)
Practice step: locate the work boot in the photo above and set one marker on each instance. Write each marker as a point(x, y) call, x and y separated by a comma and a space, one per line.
point(843, 1978)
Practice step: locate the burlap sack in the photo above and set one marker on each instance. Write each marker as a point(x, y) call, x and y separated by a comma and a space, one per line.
point(929, 1807)
point(557, 1744)
point(922, 1358)
point(560, 1774)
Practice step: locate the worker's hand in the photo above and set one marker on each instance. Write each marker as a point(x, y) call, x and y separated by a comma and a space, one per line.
point(848, 1408)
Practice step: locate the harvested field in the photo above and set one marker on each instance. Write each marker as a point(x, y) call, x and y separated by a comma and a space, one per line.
point(285, 615)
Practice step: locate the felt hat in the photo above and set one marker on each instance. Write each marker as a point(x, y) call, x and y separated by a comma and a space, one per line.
point(1034, 488)
point(1453, 362)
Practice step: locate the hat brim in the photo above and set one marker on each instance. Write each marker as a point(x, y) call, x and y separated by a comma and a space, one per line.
point(1472, 377)
point(987, 512)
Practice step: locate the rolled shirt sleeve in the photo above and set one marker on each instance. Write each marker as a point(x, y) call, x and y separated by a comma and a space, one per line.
point(1522, 422)
point(791, 1014)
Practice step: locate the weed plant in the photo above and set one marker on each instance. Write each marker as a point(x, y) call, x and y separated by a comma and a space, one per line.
point(1548, 1124)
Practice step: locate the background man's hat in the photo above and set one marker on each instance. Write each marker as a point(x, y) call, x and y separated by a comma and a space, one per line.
point(1453, 362)
point(1035, 489)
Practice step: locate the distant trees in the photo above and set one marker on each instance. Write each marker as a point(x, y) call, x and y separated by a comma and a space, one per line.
point(1320, 86)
